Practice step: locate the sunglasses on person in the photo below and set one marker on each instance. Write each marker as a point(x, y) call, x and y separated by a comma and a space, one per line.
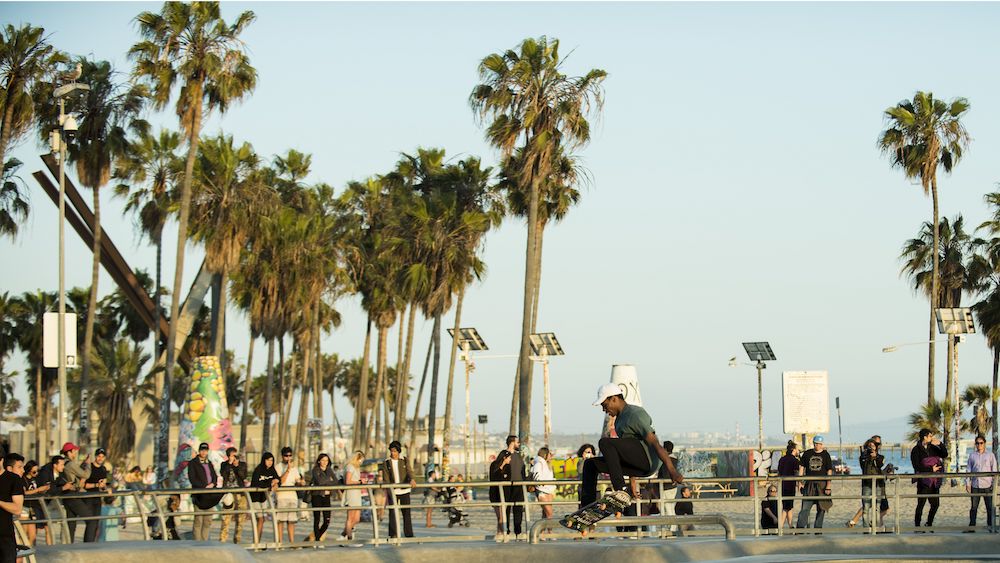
point(980, 443)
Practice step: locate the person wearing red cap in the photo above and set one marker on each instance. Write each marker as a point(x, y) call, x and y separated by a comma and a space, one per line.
point(77, 472)
point(631, 453)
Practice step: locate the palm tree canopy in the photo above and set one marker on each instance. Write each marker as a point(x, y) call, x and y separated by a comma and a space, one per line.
point(149, 174)
point(27, 65)
point(191, 45)
point(953, 259)
point(13, 199)
point(934, 416)
point(924, 133)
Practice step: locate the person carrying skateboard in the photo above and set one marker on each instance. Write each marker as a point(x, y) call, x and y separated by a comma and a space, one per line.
point(636, 452)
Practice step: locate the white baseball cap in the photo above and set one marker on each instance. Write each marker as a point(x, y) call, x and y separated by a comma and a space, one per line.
point(605, 391)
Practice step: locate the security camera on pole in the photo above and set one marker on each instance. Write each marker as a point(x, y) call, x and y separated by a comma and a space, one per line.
point(68, 128)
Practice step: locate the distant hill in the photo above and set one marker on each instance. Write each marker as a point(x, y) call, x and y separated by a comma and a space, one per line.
point(892, 430)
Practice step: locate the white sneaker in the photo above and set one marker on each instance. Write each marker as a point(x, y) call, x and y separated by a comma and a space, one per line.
point(342, 538)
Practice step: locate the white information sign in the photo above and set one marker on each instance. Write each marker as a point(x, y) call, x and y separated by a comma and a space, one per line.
point(50, 340)
point(806, 401)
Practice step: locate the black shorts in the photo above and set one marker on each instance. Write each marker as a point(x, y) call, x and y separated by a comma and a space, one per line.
point(787, 504)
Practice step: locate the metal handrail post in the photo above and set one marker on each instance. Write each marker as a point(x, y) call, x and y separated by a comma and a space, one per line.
point(756, 509)
point(64, 526)
point(146, 535)
point(253, 520)
point(373, 504)
point(895, 502)
point(781, 507)
point(160, 509)
point(397, 512)
point(503, 513)
point(272, 505)
point(993, 497)
point(527, 504)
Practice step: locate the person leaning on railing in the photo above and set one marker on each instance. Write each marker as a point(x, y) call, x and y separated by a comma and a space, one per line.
point(264, 481)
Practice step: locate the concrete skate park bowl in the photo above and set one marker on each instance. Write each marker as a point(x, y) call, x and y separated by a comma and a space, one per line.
point(895, 548)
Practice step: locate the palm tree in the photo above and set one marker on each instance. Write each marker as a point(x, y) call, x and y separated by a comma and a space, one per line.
point(30, 313)
point(978, 397)
point(984, 273)
point(9, 310)
point(933, 416)
point(535, 107)
point(13, 203)
point(190, 44)
point(953, 278)
point(152, 166)
point(27, 65)
point(118, 370)
point(922, 135)
point(108, 112)
point(228, 195)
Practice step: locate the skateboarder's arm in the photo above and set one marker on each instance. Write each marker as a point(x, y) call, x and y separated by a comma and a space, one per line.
point(675, 475)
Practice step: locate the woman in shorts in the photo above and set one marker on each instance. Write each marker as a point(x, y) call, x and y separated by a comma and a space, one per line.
point(788, 466)
point(264, 481)
point(33, 508)
point(352, 497)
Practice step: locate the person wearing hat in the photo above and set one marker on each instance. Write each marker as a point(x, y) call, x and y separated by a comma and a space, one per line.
point(77, 472)
point(202, 475)
point(636, 451)
point(97, 483)
point(396, 469)
point(815, 463)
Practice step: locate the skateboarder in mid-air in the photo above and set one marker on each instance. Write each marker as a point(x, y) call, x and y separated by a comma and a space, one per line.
point(636, 451)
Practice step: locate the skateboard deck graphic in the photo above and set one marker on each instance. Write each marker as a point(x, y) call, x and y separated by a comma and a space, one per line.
point(585, 518)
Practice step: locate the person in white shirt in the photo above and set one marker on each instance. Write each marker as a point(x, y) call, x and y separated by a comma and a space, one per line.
point(396, 470)
point(287, 500)
point(541, 470)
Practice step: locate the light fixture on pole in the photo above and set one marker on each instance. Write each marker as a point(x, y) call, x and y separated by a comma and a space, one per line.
point(67, 130)
point(469, 341)
point(956, 322)
point(759, 352)
point(482, 423)
point(543, 345)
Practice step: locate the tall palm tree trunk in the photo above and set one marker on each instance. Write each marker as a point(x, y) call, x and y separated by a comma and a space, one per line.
point(183, 217)
point(290, 384)
point(40, 434)
point(304, 390)
point(404, 391)
point(524, 359)
point(372, 433)
point(266, 438)
point(420, 396)
point(219, 330)
point(317, 381)
point(361, 402)
point(993, 396)
point(88, 333)
point(432, 409)
point(162, 425)
point(399, 374)
point(446, 439)
point(932, 330)
point(244, 422)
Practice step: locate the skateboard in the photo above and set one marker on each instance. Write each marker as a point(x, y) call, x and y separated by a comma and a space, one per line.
point(584, 519)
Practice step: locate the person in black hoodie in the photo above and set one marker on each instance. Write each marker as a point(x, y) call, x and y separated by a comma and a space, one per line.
point(927, 456)
point(202, 475)
point(264, 480)
point(321, 475)
point(234, 476)
point(509, 466)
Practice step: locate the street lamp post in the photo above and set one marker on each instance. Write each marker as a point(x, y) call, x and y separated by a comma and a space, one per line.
point(469, 340)
point(758, 352)
point(543, 345)
point(67, 129)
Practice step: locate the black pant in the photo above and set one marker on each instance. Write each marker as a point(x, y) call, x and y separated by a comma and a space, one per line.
point(8, 549)
point(986, 495)
point(518, 512)
point(407, 524)
point(321, 518)
point(80, 508)
point(933, 501)
point(619, 457)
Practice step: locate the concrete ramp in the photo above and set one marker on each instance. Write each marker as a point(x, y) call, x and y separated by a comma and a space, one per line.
point(887, 548)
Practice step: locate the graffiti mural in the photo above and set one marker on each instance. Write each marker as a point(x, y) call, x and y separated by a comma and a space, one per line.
point(206, 418)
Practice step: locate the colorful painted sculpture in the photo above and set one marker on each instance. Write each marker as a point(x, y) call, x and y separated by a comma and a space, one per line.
point(206, 418)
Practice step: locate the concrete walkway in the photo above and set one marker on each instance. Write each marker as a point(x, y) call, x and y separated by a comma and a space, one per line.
point(924, 547)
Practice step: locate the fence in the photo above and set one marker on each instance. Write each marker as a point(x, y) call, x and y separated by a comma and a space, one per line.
point(150, 508)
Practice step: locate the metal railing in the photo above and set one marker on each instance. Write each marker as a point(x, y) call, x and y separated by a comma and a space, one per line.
point(151, 508)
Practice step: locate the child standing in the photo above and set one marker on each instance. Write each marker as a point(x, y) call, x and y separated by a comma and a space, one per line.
point(108, 530)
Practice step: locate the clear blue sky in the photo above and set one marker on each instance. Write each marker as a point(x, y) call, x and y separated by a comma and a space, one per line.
point(737, 192)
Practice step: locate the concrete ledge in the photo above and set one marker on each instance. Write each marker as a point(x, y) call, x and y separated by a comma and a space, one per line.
point(924, 547)
point(144, 552)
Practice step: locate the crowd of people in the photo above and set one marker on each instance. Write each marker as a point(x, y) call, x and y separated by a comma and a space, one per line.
point(74, 482)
